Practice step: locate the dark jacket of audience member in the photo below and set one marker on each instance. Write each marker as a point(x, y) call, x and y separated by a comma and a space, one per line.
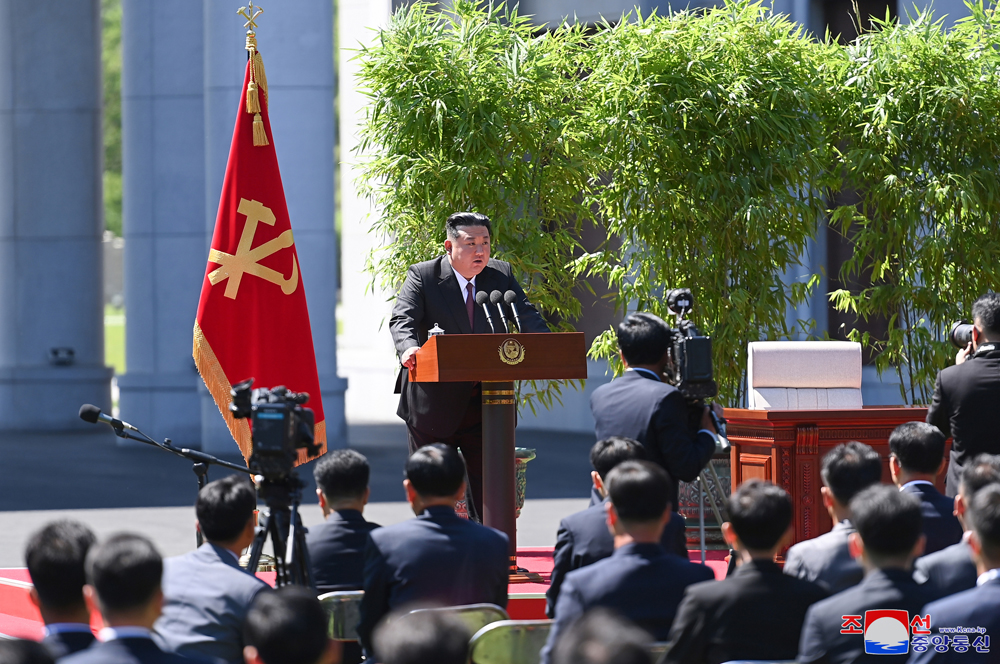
point(888, 539)
point(206, 592)
point(941, 527)
point(757, 612)
point(846, 470)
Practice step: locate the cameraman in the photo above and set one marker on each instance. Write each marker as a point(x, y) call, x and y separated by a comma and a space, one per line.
point(641, 406)
point(966, 395)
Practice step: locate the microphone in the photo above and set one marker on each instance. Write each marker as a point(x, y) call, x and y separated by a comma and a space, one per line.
point(93, 414)
point(496, 298)
point(510, 297)
point(482, 298)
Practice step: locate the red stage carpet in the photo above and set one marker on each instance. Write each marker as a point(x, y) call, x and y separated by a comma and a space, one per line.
point(19, 617)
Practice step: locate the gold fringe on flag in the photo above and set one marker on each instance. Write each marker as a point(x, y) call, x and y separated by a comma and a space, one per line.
point(220, 388)
point(259, 135)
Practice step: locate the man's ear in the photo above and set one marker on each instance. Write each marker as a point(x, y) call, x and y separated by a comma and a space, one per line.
point(855, 546)
point(251, 656)
point(612, 517)
point(894, 468)
point(321, 498)
point(959, 505)
point(940, 467)
point(827, 497)
point(595, 477)
point(411, 493)
point(729, 535)
point(918, 548)
point(34, 598)
point(90, 599)
point(447, 246)
point(364, 501)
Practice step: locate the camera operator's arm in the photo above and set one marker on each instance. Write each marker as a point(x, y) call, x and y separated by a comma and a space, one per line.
point(684, 455)
point(939, 412)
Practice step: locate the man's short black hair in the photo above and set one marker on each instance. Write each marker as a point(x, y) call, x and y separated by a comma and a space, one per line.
point(342, 475)
point(850, 467)
point(461, 220)
point(918, 446)
point(888, 520)
point(639, 490)
point(984, 515)
point(435, 470)
point(125, 570)
point(986, 310)
point(603, 637)
point(288, 626)
point(55, 557)
point(224, 507)
point(760, 513)
point(22, 651)
point(643, 338)
point(984, 469)
point(608, 453)
point(424, 637)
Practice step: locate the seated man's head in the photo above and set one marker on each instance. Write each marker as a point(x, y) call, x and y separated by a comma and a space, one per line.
point(986, 318)
point(435, 475)
point(760, 519)
point(608, 453)
point(603, 637)
point(22, 651)
point(55, 557)
point(123, 581)
point(848, 469)
point(225, 512)
point(640, 501)
point(342, 481)
point(644, 340)
point(984, 515)
point(889, 528)
point(423, 637)
point(982, 471)
point(288, 626)
point(467, 242)
point(916, 452)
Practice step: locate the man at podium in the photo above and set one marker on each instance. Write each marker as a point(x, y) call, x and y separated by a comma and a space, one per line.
point(443, 292)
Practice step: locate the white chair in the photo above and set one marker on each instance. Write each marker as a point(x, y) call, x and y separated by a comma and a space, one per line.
point(475, 616)
point(803, 375)
point(510, 642)
point(344, 609)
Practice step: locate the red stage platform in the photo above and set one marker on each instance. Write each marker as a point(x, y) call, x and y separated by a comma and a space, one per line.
point(19, 617)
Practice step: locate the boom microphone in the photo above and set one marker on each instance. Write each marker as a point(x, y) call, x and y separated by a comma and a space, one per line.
point(510, 297)
point(93, 414)
point(497, 298)
point(483, 299)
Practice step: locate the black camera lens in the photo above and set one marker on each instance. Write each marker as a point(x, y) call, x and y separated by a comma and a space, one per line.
point(961, 334)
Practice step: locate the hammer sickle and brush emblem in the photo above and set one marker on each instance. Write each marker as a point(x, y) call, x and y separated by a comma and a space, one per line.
point(247, 260)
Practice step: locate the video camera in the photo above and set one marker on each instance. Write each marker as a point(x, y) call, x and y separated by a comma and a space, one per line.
point(280, 425)
point(690, 351)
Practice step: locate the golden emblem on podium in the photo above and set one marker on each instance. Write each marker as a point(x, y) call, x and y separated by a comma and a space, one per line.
point(511, 351)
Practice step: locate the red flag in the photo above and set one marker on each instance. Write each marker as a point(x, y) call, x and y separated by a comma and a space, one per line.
point(253, 321)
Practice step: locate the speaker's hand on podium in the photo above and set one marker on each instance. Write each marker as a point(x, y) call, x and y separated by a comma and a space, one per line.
point(409, 357)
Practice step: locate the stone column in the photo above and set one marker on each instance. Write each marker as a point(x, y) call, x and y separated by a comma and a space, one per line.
point(164, 188)
point(51, 220)
point(296, 42)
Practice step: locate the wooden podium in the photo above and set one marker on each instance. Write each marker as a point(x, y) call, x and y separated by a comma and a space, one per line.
point(497, 360)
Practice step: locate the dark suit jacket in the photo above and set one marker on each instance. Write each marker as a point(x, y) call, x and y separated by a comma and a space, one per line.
point(584, 538)
point(949, 571)
point(642, 582)
point(826, 560)
point(127, 651)
point(429, 295)
point(821, 639)
point(337, 550)
point(206, 595)
point(978, 607)
point(62, 644)
point(965, 407)
point(436, 559)
point(655, 414)
point(725, 620)
point(941, 526)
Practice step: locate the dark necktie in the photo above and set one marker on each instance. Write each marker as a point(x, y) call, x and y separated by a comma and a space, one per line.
point(470, 303)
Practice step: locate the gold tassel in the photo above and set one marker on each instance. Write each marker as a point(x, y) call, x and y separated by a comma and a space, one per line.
point(259, 135)
point(253, 103)
point(259, 75)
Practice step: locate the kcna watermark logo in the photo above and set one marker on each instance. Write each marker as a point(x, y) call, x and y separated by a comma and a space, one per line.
point(893, 632)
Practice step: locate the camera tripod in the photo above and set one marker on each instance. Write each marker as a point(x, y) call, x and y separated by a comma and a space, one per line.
point(283, 523)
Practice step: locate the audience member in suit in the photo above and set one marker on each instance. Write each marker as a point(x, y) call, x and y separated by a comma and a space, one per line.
point(640, 580)
point(123, 585)
point(603, 637)
point(583, 538)
point(288, 627)
point(424, 637)
point(952, 570)
point(915, 460)
point(889, 537)
point(22, 651)
point(965, 395)
point(438, 558)
point(721, 621)
point(980, 606)
point(55, 557)
point(641, 406)
point(847, 469)
point(206, 592)
point(337, 546)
